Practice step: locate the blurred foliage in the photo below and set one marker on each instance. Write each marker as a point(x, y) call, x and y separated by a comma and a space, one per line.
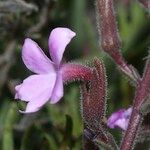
point(60, 126)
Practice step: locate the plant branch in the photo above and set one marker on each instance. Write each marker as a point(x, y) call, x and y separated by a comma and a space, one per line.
point(132, 131)
point(109, 36)
point(142, 93)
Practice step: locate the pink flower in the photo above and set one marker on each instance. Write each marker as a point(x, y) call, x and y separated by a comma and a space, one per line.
point(120, 119)
point(47, 84)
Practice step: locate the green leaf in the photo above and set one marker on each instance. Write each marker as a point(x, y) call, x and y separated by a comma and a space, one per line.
point(8, 143)
point(68, 131)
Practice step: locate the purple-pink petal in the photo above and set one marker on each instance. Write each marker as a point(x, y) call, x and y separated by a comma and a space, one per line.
point(58, 92)
point(114, 117)
point(120, 119)
point(36, 90)
point(122, 123)
point(35, 59)
point(58, 40)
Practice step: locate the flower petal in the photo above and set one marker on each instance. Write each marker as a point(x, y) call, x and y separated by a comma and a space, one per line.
point(57, 93)
point(36, 90)
point(58, 40)
point(114, 117)
point(35, 59)
point(122, 123)
point(120, 119)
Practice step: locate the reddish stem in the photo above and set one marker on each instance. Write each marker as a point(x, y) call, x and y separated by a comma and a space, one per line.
point(141, 95)
point(110, 38)
point(72, 72)
point(131, 133)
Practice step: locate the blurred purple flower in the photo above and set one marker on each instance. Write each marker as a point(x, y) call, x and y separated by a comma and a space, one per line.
point(120, 119)
point(47, 84)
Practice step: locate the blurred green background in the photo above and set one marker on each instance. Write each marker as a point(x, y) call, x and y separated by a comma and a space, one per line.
point(59, 127)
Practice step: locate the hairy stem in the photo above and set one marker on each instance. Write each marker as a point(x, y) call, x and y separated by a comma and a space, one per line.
point(74, 71)
point(109, 37)
point(132, 131)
